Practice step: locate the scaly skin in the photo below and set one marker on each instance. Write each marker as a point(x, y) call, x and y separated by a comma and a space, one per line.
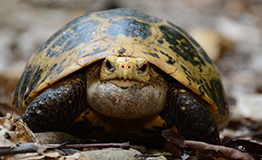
point(190, 115)
point(58, 105)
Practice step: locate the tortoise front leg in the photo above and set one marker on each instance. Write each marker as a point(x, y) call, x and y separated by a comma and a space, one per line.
point(58, 105)
point(190, 115)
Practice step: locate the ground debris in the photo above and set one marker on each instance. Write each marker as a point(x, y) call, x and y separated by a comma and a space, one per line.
point(246, 128)
point(15, 131)
point(19, 142)
point(252, 148)
point(229, 148)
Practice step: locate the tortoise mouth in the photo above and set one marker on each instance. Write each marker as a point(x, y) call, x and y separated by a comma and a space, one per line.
point(124, 83)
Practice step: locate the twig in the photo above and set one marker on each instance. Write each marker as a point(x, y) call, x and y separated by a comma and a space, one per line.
point(124, 145)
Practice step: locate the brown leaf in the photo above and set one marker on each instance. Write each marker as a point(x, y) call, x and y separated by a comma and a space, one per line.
point(255, 149)
point(24, 134)
point(12, 132)
point(178, 145)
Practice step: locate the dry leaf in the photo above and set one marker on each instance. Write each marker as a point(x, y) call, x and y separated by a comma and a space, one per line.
point(178, 145)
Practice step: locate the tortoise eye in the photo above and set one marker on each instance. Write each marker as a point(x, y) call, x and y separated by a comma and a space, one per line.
point(108, 65)
point(143, 68)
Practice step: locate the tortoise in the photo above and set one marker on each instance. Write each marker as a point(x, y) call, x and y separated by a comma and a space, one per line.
point(122, 75)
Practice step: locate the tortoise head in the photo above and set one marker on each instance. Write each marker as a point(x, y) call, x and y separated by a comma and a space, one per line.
point(126, 88)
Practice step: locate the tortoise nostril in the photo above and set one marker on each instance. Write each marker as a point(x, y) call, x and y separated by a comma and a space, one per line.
point(123, 66)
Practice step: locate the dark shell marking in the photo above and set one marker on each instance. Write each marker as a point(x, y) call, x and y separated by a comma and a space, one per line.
point(95, 36)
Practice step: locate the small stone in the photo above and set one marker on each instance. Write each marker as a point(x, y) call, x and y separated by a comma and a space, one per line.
point(111, 153)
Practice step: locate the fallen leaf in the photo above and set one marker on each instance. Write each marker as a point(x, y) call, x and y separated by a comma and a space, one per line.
point(178, 146)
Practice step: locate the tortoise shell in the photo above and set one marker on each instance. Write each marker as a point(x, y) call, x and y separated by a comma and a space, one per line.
point(123, 32)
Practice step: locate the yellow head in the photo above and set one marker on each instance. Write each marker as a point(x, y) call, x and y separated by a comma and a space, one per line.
point(126, 88)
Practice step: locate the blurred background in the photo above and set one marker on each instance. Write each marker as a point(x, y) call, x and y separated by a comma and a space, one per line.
point(229, 30)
